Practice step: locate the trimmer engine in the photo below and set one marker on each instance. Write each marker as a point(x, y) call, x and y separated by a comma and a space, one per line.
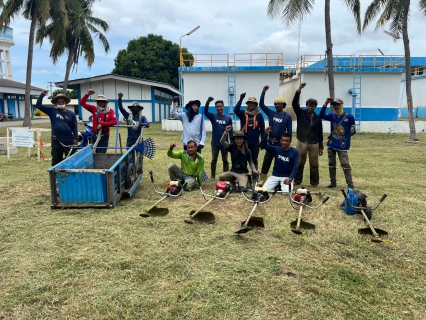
point(303, 196)
point(174, 188)
point(222, 188)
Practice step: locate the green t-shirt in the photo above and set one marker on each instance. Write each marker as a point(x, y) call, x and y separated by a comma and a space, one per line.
point(189, 166)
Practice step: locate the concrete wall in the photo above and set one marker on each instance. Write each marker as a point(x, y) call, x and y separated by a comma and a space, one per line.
point(418, 83)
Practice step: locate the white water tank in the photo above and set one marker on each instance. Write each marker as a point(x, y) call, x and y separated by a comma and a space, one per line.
point(6, 41)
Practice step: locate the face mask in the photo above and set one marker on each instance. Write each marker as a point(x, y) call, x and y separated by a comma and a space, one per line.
point(61, 106)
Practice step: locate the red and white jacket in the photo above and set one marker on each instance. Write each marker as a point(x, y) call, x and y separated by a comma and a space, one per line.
point(106, 120)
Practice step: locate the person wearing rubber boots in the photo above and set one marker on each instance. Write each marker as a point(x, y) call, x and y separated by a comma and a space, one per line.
point(281, 122)
point(342, 128)
point(240, 157)
point(63, 123)
point(192, 165)
point(192, 123)
point(309, 138)
point(103, 118)
point(252, 124)
point(137, 121)
point(285, 164)
point(219, 122)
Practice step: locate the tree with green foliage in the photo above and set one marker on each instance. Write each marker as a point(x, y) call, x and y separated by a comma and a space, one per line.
point(397, 13)
point(77, 39)
point(72, 94)
point(295, 10)
point(38, 11)
point(150, 58)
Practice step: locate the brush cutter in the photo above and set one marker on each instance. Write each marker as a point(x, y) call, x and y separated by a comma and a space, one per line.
point(302, 197)
point(223, 189)
point(375, 232)
point(174, 189)
point(259, 195)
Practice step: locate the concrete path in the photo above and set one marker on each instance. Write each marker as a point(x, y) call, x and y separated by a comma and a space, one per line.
point(18, 123)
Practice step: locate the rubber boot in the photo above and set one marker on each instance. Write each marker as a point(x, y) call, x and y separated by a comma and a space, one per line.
point(332, 172)
point(213, 171)
point(225, 166)
point(348, 177)
point(262, 179)
point(299, 176)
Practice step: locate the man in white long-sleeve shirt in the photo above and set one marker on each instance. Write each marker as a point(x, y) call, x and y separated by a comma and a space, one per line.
point(192, 122)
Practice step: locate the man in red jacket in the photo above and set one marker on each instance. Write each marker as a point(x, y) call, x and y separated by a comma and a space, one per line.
point(103, 118)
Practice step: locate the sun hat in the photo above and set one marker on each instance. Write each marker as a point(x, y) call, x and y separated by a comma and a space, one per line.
point(60, 96)
point(190, 103)
point(337, 101)
point(101, 97)
point(252, 99)
point(279, 100)
point(239, 134)
point(135, 104)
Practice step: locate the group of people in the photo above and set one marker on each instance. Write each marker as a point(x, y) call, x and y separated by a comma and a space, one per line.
point(244, 145)
point(64, 123)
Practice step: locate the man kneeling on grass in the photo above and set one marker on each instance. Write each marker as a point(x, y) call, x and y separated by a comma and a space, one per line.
point(286, 162)
point(192, 165)
point(240, 157)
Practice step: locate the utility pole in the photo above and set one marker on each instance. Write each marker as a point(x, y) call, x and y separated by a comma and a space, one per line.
point(50, 85)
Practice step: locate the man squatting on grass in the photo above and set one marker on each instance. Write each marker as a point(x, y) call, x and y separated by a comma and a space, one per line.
point(280, 122)
point(240, 156)
point(103, 118)
point(192, 164)
point(286, 162)
point(219, 121)
point(63, 123)
point(252, 124)
point(192, 123)
point(309, 137)
point(342, 127)
point(135, 119)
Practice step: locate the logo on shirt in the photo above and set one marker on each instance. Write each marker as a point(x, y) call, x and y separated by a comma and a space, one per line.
point(221, 121)
point(279, 120)
point(59, 116)
point(285, 159)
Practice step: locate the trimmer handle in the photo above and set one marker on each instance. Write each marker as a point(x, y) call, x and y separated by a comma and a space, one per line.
point(152, 177)
point(344, 193)
point(383, 197)
point(325, 200)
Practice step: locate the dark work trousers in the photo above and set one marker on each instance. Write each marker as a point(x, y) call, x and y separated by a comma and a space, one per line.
point(59, 151)
point(103, 143)
point(267, 161)
point(139, 164)
point(215, 155)
point(254, 148)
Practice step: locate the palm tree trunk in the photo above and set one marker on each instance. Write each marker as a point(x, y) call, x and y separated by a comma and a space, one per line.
point(28, 102)
point(329, 51)
point(70, 59)
point(411, 123)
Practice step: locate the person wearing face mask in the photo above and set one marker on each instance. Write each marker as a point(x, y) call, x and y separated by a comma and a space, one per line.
point(103, 119)
point(192, 123)
point(252, 124)
point(63, 123)
point(342, 128)
point(137, 121)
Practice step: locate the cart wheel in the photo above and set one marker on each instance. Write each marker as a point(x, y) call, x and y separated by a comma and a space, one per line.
point(130, 175)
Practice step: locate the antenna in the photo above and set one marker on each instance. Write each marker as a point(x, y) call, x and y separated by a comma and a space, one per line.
point(380, 51)
point(50, 85)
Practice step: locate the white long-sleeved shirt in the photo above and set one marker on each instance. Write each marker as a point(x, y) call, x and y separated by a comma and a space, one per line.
point(194, 130)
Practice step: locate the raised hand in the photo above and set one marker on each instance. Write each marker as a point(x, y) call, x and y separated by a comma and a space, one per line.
point(268, 129)
point(120, 95)
point(329, 100)
point(265, 88)
point(210, 99)
point(45, 92)
point(90, 92)
point(302, 85)
point(172, 145)
point(242, 95)
point(228, 128)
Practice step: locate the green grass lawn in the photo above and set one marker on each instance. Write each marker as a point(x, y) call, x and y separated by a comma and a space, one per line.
point(114, 264)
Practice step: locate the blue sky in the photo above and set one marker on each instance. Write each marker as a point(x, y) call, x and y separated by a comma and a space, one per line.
point(225, 27)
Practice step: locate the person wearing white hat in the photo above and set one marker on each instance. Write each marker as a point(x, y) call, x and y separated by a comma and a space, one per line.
point(103, 119)
point(63, 123)
point(342, 128)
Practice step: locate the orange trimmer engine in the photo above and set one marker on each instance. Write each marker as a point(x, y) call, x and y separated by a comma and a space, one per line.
point(222, 188)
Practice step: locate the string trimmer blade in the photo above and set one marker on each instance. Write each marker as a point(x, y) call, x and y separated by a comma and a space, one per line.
point(303, 225)
point(380, 232)
point(255, 222)
point(204, 217)
point(155, 211)
point(144, 215)
point(296, 231)
point(242, 230)
point(188, 221)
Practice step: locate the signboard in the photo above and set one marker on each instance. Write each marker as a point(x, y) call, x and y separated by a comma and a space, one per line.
point(22, 137)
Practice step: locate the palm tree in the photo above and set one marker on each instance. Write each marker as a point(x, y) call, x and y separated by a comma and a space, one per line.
point(397, 13)
point(77, 38)
point(38, 11)
point(295, 10)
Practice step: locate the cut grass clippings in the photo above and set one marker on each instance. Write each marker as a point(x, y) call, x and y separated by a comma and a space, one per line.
point(113, 264)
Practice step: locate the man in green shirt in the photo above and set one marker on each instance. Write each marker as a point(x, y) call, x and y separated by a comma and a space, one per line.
point(192, 164)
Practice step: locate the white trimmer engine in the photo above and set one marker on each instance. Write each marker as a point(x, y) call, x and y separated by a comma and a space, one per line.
point(174, 188)
point(222, 188)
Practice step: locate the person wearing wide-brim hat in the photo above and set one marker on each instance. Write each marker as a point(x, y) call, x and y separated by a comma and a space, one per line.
point(63, 123)
point(280, 121)
point(103, 118)
point(135, 119)
point(240, 158)
point(342, 128)
point(192, 122)
point(252, 124)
